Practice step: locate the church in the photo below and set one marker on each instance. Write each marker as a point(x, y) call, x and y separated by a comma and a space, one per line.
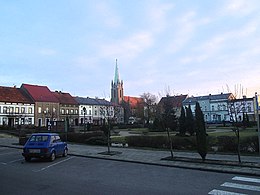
point(133, 106)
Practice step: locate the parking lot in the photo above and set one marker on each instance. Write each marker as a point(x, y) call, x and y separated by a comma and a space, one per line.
point(80, 175)
point(12, 158)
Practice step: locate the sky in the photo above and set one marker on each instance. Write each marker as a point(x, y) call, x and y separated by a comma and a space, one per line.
point(193, 47)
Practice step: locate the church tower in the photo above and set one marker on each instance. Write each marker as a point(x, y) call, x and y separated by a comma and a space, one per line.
point(117, 91)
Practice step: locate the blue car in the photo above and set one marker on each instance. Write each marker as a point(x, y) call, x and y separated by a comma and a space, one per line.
point(44, 145)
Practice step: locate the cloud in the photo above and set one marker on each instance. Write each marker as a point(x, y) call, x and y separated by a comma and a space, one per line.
point(129, 47)
point(239, 7)
point(107, 14)
point(48, 52)
point(157, 15)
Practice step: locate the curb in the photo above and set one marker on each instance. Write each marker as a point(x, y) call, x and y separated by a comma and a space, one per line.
point(229, 169)
point(211, 169)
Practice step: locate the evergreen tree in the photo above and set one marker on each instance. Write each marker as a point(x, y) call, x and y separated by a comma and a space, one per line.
point(247, 120)
point(200, 132)
point(189, 122)
point(182, 127)
point(244, 120)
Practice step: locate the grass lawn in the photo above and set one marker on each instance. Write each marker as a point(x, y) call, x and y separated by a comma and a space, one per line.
point(242, 133)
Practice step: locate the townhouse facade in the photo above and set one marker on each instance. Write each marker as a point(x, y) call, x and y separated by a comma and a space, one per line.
point(16, 108)
point(214, 107)
point(94, 111)
point(240, 107)
point(175, 102)
point(46, 105)
point(68, 108)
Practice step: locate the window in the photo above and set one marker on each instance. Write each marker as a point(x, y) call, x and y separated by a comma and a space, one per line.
point(71, 111)
point(30, 111)
point(39, 122)
point(5, 110)
point(67, 111)
point(95, 112)
point(62, 111)
point(0, 109)
point(29, 121)
point(16, 110)
point(89, 112)
point(212, 108)
point(76, 111)
point(39, 110)
point(23, 110)
point(54, 110)
point(249, 109)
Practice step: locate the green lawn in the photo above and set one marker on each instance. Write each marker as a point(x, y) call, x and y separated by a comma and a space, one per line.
point(242, 133)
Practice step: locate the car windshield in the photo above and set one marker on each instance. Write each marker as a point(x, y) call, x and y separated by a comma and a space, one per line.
point(39, 138)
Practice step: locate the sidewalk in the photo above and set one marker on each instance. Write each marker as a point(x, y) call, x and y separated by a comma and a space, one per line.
point(190, 160)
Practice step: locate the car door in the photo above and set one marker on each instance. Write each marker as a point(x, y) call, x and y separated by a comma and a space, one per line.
point(59, 144)
point(54, 144)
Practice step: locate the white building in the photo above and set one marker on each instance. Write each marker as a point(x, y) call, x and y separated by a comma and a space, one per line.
point(239, 107)
point(15, 107)
point(214, 107)
point(95, 110)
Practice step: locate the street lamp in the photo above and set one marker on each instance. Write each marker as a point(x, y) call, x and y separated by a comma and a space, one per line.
point(257, 118)
point(84, 112)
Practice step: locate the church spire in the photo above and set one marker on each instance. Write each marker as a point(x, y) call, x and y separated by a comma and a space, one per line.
point(117, 90)
point(116, 79)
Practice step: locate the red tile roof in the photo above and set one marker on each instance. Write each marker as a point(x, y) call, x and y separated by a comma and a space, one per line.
point(40, 93)
point(13, 95)
point(133, 101)
point(65, 98)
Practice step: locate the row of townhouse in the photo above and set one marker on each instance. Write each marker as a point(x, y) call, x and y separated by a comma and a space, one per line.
point(220, 107)
point(216, 108)
point(38, 106)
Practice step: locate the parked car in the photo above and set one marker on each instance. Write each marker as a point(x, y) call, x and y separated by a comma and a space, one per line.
point(44, 145)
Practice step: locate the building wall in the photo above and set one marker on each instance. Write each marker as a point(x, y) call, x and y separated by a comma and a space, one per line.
point(14, 114)
point(46, 112)
point(71, 112)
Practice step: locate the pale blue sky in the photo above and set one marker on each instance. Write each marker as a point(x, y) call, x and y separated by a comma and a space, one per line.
point(193, 47)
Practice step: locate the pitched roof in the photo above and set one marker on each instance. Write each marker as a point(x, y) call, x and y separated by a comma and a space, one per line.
point(133, 101)
point(175, 101)
point(13, 95)
point(222, 96)
point(65, 98)
point(39, 93)
point(92, 101)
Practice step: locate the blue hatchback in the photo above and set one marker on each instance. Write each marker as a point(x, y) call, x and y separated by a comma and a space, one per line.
point(44, 145)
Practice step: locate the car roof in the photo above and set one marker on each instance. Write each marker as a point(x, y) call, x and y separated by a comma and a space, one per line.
point(48, 134)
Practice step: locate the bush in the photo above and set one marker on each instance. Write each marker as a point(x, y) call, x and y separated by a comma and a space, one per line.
point(82, 137)
point(184, 143)
point(249, 144)
point(227, 143)
point(99, 140)
point(147, 141)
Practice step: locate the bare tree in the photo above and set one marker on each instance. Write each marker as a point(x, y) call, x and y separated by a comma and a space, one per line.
point(110, 114)
point(235, 108)
point(149, 104)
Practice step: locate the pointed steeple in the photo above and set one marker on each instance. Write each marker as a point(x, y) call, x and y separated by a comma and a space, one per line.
point(116, 79)
point(117, 89)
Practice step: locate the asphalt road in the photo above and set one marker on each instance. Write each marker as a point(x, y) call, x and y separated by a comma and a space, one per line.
point(79, 175)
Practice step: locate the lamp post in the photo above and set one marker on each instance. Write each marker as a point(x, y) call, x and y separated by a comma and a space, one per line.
point(84, 112)
point(257, 118)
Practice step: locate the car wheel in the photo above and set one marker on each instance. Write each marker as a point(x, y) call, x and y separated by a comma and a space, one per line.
point(65, 152)
point(53, 156)
point(27, 159)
